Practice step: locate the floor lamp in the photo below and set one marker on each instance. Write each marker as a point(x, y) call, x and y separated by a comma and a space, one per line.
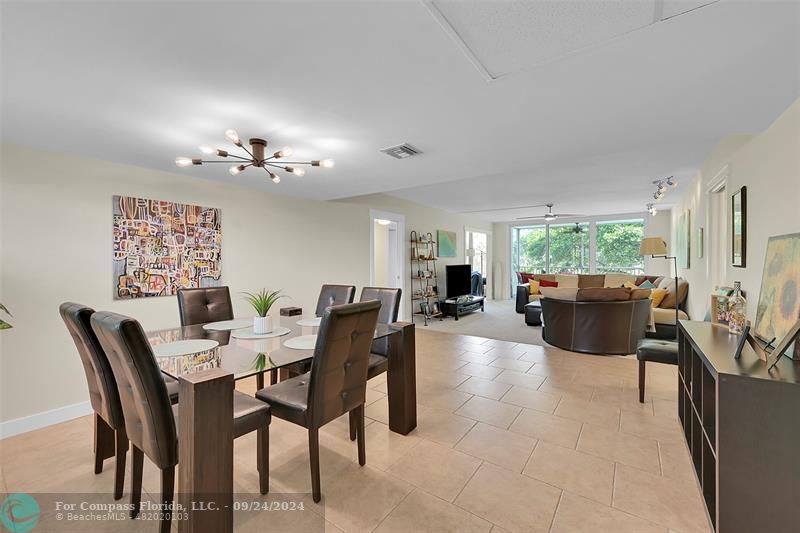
point(656, 247)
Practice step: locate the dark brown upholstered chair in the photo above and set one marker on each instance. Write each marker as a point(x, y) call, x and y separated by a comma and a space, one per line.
point(655, 351)
point(334, 295)
point(103, 393)
point(595, 327)
point(151, 420)
point(203, 305)
point(337, 383)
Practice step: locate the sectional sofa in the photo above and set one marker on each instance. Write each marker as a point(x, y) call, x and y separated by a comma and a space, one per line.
point(663, 315)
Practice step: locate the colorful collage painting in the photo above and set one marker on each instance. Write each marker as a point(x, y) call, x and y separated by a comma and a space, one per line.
point(160, 247)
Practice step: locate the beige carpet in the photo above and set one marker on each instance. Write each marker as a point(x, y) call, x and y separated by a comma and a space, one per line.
point(499, 321)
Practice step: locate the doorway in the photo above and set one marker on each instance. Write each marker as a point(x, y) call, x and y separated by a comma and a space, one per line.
point(477, 249)
point(387, 252)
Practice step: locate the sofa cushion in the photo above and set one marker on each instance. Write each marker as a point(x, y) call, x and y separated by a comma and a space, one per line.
point(616, 279)
point(544, 277)
point(569, 281)
point(667, 316)
point(655, 280)
point(560, 293)
point(640, 294)
point(591, 280)
point(673, 299)
point(601, 294)
point(534, 297)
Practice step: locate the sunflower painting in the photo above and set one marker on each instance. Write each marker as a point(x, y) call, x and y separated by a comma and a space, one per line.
point(779, 301)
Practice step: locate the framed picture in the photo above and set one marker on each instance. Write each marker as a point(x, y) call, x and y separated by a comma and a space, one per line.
point(779, 300)
point(447, 243)
point(739, 228)
point(684, 239)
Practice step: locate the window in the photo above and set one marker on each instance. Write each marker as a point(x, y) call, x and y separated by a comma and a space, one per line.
point(562, 248)
point(477, 244)
point(618, 246)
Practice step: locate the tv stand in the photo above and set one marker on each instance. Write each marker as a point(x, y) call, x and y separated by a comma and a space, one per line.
point(462, 305)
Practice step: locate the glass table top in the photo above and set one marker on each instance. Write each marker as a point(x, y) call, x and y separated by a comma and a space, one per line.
point(242, 357)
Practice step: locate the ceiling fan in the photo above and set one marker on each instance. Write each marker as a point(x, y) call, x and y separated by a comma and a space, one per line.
point(550, 216)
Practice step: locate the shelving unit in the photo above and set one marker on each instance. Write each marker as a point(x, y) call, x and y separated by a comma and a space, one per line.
point(423, 260)
point(742, 427)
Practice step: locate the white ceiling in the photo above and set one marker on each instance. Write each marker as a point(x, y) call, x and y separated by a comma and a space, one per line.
point(591, 101)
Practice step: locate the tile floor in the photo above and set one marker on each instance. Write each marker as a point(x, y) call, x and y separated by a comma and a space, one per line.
point(510, 437)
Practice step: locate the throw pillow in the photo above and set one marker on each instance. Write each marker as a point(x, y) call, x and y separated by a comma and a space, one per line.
point(674, 298)
point(640, 294)
point(647, 284)
point(630, 285)
point(547, 283)
point(657, 296)
point(534, 286)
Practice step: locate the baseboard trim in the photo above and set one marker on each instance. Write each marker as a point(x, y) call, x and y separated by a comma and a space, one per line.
point(44, 419)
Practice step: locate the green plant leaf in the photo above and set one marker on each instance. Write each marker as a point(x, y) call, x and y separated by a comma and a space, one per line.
point(263, 300)
point(5, 325)
point(5, 309)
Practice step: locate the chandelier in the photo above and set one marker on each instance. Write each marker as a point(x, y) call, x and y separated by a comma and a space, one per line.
point(257, 158)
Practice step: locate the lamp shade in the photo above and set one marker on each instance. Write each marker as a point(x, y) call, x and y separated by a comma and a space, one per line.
point(470, 252)
point(653, 246)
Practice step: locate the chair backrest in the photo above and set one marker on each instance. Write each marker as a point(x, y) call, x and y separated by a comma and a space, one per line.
point(206, 304)
point(103, 393)
point(389, 299)
point(334, 295)
point(338, 381)
point(145, 403)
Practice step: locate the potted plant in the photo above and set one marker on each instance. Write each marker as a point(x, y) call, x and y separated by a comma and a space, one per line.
point(262, 302)
point(4, 324)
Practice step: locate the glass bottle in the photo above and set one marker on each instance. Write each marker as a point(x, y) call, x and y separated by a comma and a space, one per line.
point(737, 310)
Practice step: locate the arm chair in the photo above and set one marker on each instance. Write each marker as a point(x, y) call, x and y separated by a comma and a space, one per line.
point(337, 382)
point(149, 417)
point(203, 305)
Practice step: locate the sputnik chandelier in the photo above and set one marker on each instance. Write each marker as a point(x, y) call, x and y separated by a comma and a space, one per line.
point(661, 189)
point(257, 158)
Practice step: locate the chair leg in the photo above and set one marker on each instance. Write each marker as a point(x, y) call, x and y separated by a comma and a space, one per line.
point(263, 459)
point(313, 455)
point(103, 442)
point(167, 496)
point(362, 448)
point(641, 381)
point(353, 423)
point(137, 465)
point(119, 462)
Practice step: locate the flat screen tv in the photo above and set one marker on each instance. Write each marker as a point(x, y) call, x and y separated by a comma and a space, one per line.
point(459, 280)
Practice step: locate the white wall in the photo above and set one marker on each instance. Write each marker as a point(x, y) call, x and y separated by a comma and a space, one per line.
point(769, 165)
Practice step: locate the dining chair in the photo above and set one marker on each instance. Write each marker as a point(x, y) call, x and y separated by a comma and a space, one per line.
point(334, 295)
point(151, 420)
point(110, 438)
point(205, 304)
point(379, 354)
point(337, 382)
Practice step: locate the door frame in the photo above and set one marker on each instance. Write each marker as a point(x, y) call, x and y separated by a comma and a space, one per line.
point(488, 289)
point(401, 256)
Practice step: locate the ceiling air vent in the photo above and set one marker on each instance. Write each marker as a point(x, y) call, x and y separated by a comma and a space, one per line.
point(401, 151)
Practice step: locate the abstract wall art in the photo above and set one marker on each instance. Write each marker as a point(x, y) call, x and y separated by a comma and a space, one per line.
point(779, 301)
point(447, 243)
point(160, 247)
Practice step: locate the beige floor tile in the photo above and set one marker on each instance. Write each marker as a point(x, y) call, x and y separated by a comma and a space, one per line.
point(489, 411)
point(580, 515)
point(511, 353)
point(358, 499)
point(620, 447)
point(496, 343)
point(442, 398)
point(374, 395)
point(662, 500)
point(424, 512)
point(475, 348)
point(652, 427)
point(441, 426)
point(511, 364)
point(481, 371)
point(383, 445)
point(435, 468)
point(499, 446)
point(676, 462)
point(587, 411)
point(487, 388)
point(530, 381)
point(625, 399)
point(538, 356)
point(532, 399)
point(566, 389)
point(666, 408)
point(571, 470)
point(378, 410)
point(509, 500)
point(481, 359)
point(548, 369)
point(549, 428)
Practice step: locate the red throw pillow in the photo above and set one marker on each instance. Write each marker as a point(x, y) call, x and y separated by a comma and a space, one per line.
point(545, 283)
point(525, 276)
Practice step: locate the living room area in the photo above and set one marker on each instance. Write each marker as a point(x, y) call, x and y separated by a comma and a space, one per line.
point(414, 265)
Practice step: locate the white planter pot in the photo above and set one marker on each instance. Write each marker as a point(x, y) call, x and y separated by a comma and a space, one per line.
point(262, 325)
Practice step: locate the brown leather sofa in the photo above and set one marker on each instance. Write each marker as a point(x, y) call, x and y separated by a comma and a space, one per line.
point(613, 328)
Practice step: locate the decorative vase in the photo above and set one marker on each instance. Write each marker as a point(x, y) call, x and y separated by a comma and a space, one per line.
point(262, 325)
point(737, 310)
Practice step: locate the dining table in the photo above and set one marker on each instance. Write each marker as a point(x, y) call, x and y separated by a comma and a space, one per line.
point(217, 355)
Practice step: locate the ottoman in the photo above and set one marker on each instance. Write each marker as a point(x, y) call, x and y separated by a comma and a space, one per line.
point(656, 351)
point(533, 313)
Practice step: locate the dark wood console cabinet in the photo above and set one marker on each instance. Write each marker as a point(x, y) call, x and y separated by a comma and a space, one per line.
point(742, 427)
point(452, 306)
